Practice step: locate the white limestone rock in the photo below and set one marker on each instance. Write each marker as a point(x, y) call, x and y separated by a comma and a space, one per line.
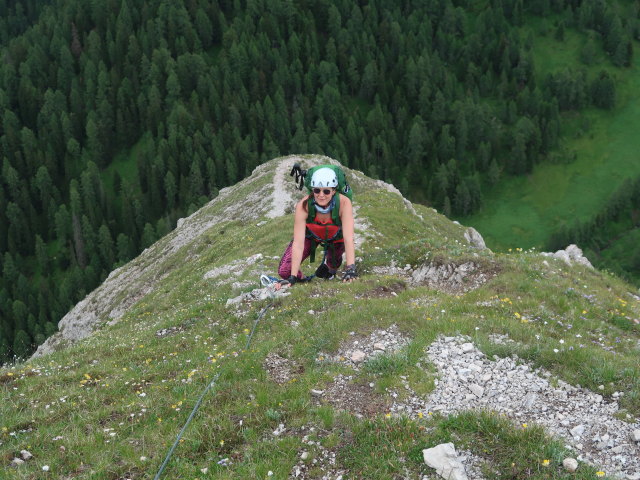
point(358, 356)
point(474, 238)
point(570, 464)
point(26, 455)
point(445, 460)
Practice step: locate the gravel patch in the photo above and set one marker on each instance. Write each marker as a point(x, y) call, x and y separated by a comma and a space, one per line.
point(314, 458)
point(279, 369)
point(583, 419)
point(360, 348)
point(358, 399)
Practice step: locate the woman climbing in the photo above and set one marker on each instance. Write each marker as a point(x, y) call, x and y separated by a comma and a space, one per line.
point(324, 217)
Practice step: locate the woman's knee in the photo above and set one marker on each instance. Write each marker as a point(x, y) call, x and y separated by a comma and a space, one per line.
point(285, 271)
point(284, 268)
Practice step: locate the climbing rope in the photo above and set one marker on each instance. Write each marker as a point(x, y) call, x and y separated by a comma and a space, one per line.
point(208, 387)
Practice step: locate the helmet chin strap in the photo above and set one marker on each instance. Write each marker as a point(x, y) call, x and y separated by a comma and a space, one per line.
point(327, 208)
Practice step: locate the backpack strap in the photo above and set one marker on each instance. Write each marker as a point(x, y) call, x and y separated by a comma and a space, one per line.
point(335, 213)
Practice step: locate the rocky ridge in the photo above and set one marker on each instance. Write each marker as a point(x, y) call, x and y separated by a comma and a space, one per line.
point(127, 285)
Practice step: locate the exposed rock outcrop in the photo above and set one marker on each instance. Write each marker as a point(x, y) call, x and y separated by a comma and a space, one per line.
point(570, 255)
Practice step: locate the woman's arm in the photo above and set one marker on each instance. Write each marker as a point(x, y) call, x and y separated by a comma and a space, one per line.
point(299, 230)
point(346, 217)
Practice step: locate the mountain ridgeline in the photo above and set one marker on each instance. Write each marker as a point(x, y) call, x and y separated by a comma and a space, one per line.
point(121, 116)
point(520, 359)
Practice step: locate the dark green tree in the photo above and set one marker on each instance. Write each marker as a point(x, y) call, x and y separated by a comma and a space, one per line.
point(21, 344)
point(148, 236)
point(106, 247)
point(603, 91)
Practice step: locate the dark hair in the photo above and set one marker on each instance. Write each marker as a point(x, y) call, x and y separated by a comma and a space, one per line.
point(306, 201)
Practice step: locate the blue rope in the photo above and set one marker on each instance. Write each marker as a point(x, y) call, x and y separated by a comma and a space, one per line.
point(204, 392)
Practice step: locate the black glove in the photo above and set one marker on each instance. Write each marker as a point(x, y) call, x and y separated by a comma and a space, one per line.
point(350, 273)
point(293, 279)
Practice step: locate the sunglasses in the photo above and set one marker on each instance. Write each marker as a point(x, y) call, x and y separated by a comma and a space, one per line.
point(326, 191)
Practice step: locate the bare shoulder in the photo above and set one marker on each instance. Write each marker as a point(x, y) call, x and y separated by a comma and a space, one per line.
point(344, 201)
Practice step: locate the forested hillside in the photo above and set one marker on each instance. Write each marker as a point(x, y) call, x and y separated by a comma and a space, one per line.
point(611, 237)
point(120, 116)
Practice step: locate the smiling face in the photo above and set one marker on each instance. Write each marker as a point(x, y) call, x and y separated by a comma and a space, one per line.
point(323, 196)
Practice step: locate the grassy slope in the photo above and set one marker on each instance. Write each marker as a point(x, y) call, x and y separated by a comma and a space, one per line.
point(523, 211)
point(125, 393)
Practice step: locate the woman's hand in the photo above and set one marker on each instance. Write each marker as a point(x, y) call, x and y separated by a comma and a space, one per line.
point(350, 273)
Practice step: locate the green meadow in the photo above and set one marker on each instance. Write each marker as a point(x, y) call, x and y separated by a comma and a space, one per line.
point(524, 211)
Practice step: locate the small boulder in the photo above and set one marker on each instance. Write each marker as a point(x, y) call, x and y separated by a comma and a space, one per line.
point(25, 455)
point(445, 460)
point(575, 254)
point(577, 431)
point(564, 256)
point(358, 356)
point(467, 347)
point(477, 390)
point(570, 464)
point(474, 238)
point(279, 431)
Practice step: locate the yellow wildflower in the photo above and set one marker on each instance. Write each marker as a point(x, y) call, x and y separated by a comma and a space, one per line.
point(545, 463)
point(600, 473)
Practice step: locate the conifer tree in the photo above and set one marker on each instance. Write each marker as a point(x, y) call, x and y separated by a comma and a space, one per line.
point(106, 246)
point(21, 344)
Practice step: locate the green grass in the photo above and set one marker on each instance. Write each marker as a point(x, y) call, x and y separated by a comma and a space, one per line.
point(524, 211)
point(117, 400)
point(125, 165)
